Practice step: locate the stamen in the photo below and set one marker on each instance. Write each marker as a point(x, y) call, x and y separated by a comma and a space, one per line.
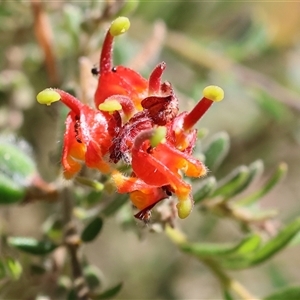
point(110, 105)
point(184, 208)
point(159, 136)
point(156, 136)
point(118, 102)
point(48, 96)
point(211, 94)
point(119, 26)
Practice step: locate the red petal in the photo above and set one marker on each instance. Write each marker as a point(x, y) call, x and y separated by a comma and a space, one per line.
point(123, 81)
point(72, 150)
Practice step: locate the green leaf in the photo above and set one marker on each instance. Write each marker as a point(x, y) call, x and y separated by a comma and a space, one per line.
point(93, 276)
point(272, 108)
point(91, 231)
point(10, 191)
point(216, 150)
point(229, 185)
point(15, 163)
point(255, 170)
point(268, 250)
point(208, 185)
point(94, 184)
point(267, 187)
point(16, 168)
point(109, 293)
point(53, 228)
point(93, 198)
point(31, 245)
point(14, 267)
point(289, 293)
point(247, 245)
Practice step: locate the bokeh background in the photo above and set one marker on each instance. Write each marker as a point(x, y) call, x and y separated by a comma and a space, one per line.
point(250, 49)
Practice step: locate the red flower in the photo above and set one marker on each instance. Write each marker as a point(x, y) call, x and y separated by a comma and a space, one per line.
point(87, 137)
point(137, 122)
point(158, 167)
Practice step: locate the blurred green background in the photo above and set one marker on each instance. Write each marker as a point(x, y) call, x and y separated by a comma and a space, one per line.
point(250, 49)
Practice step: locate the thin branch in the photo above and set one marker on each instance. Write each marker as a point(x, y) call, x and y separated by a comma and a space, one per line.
point(226, 281)
point(72, 242)
point(151, 48)
point(43, 33)
point(199, 55)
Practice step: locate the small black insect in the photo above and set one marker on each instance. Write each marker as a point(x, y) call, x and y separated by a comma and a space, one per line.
point(114, 69)
point(95, 71)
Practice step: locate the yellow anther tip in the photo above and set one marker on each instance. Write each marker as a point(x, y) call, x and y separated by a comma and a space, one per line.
point(213, 93)
point(119, 26)
point(48, 96)
point(184, 208)
point(158, 136)
point(110, 106)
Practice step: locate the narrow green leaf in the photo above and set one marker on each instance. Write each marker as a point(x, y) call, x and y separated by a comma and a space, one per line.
point(16, 168)
point(228, 186)
point(14, 267)
point(268, 186)
point(268, 250)
point(91, 231)
point(278, 242)
point(246, 246)
point(208, 185)
point(31, 245)
point(289, 293)
point(216, 150)
point(53, 228)
point(94, 184)
point(255, 170)
point(109, 293)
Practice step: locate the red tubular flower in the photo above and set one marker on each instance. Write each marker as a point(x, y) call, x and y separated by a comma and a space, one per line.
point(122, 81)
point(87, 136)
point(159, 166)
point(118, 80)
point(135, 121)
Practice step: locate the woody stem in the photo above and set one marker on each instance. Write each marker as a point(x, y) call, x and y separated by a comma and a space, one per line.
point(72, 243)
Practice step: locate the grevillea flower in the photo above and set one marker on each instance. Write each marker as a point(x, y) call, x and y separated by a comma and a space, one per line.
point(157, 166)
point(87, 136)
point(136, 121)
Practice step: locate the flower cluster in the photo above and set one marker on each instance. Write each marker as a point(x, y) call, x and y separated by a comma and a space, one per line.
point(136, 121)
